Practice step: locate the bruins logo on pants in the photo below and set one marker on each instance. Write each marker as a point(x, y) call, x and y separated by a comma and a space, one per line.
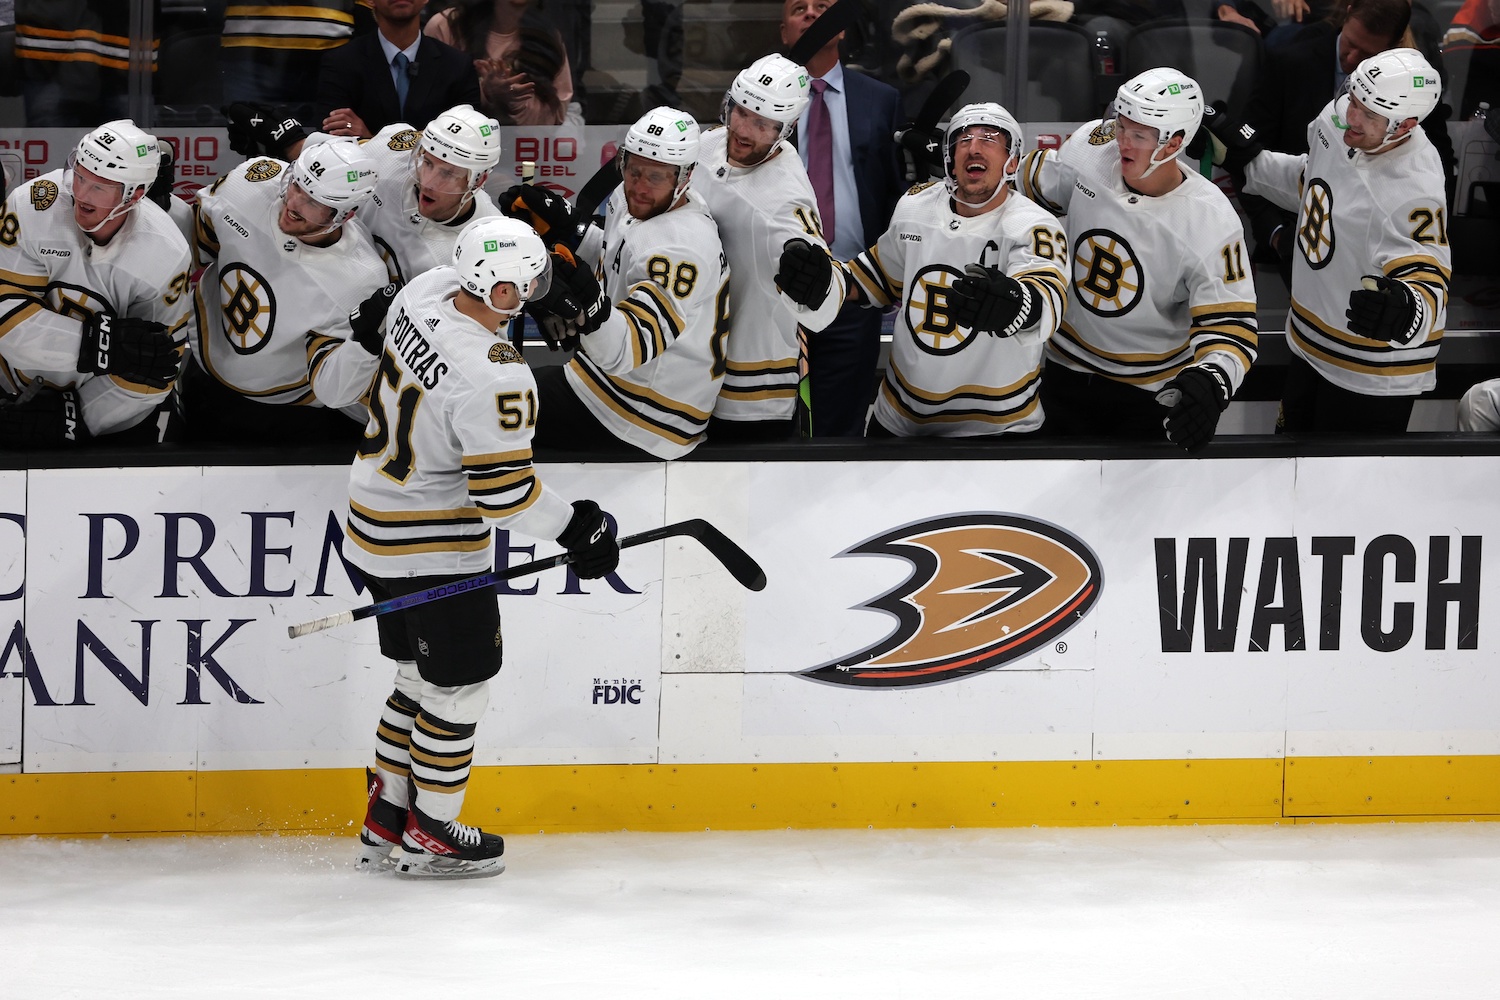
point(1315, 224)
point(929, 311)
point(1107, 277)
point(249, 308)
point(984, 589)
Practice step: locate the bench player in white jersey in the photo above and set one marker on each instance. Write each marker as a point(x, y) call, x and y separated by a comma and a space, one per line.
point(648, 370)
point(1161, 311)
point(286, 262)
point(445, 459)
point(978, 273)
point(757, 191)
point(93, 298)
point(1371, 272)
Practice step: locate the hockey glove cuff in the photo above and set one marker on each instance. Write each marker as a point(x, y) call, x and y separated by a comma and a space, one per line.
point(51, 418)
point(1384, 309)
point(987, 300)
point(136, 349)
point(257, 130)
point(545, 211)
point(1194, 398)
point(804, 273)
point(367, 321)
point(1235, 142)
point(590, 543)
point(160, 190)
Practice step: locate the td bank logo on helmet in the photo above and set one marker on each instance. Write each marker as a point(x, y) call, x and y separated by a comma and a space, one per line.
point(984, 589)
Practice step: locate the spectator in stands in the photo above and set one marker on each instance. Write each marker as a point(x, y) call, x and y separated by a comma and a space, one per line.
point(523, 69)
point(74, 57)
point(858, 126)
point(394, 74)
point(1471, 57)
point(1295, 84)
point(271, 54)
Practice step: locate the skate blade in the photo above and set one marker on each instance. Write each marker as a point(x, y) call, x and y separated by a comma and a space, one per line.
point(418, 866)
point(375, 858)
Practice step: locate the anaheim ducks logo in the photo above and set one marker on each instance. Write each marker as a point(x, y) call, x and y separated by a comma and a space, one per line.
point(985, 589)
point(1315, 224)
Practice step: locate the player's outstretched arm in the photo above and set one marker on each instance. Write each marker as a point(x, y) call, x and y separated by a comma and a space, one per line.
point(340, 367)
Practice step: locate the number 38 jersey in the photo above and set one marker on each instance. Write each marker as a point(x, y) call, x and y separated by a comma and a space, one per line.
point(1158, 283)
point(1359, 215)
point(651, 373)
point(945, 379)
point(446, 455)
point(268, 305)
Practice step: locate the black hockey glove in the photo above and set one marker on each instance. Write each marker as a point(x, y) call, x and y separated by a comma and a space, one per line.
point(136, 349)
point(987, 300)
point(575, 304)
point(923, 149)
point(804, 273)
point(591, 546)
point(258, 130)
point(1235, 142)
point(160, 190)
point(50, 418)
point(545, 211)
point(366, 322)
point(1384, 309)
point(1194, 398)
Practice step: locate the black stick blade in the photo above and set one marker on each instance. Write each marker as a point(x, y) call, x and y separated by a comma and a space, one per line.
point(736, 560)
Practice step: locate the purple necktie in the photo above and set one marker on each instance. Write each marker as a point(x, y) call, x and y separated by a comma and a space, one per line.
point(820, 156)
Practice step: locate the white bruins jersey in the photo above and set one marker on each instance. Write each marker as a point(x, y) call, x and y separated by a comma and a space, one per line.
point(945, 379)
point(52, 277)
point(270, 309)
point(409, 242)
point(446, 455)
point(651, 373)
point(1357, 215)
point(757, 209)
point(1157, 283)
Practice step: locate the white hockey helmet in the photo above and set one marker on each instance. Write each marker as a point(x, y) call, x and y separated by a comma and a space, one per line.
point(994, 116)
point(120, 151)
point(773, 87)
point(465, 138)
point(1396, 84)
point(665, 135)
point(496, 249)
point(337, 174)
point(1165, 99)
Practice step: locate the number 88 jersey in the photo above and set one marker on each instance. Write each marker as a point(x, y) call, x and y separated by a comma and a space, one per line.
point(446, 455)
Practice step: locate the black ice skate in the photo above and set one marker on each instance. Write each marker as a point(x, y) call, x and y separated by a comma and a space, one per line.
point(384, 823)
point(434, 848)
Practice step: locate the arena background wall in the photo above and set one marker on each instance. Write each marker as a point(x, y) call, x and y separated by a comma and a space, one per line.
point(1245, 640)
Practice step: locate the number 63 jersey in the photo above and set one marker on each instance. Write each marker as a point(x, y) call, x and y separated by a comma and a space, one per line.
point(446, 455)
point(945, 379)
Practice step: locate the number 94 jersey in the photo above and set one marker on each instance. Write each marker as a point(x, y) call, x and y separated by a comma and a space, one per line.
point(945, 379)
point(446, 455)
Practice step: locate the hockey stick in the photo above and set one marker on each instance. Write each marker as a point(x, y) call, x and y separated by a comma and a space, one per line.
point(919, 140)
point(839, 17)
point(733, 558)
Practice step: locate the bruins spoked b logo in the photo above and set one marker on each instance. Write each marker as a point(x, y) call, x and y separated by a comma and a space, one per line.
point(1315, 224)
point(249, 308)
point(984, 589)
point(929, 311)
point(1106, 274)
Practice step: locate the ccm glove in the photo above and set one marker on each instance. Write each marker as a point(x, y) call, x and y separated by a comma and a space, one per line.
point(987, 300)
point(1384, 309)
point(591, 546)
point(52, 418)
point(368, 318)
point(136, 349)
point(804, 273)
point(1194, 400)
point(545, 211)
point(1234, 142)
point(257, 130)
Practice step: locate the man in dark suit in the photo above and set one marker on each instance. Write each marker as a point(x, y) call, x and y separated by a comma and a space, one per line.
point(393, 74)
point(852, 161)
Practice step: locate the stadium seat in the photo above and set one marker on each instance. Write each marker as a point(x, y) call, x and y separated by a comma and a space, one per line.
point(1224, 58)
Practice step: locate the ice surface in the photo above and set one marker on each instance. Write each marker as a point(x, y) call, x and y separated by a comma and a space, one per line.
point(1326, 911)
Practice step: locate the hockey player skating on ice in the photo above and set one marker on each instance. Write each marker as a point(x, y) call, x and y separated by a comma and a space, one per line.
point(1161, 307)
point(758, 193)
point(446, 459)
point(1370, 275)
point(978, 272)
point(650, 362)
point(93, 298)
point(286, 263)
